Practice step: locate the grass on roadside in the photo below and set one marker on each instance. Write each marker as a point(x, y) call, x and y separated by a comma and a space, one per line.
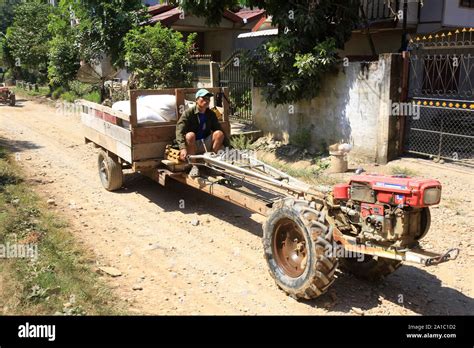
point(241, 142)
point(69, 96)
point(312, 174)
point(42, 91)
point(60, 280)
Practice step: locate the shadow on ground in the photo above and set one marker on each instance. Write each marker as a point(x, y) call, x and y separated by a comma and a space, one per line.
point(18, 104)
point(15, 146)
point(174, 195)
point(409, 287)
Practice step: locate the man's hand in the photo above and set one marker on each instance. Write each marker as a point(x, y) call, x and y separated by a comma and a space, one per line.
point(183, 153)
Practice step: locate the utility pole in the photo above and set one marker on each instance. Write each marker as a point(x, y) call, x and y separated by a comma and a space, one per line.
point(404, 32)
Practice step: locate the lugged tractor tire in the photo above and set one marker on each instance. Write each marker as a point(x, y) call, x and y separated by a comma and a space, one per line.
point(110, 171)
point(372, 268)
point(12, 100)
point(297, 244)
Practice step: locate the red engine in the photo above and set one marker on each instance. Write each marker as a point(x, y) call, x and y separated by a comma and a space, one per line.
point(394, 190)
point(387, 208)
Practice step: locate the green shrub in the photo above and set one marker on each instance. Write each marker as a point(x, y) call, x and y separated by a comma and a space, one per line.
point(69, 96)
point(241, 142)
point(8, 75)
point(57, 93)
point(159, 56)
point(92, 96)
point(81, 89)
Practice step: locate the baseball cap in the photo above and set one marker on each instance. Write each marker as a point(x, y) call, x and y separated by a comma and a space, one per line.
point(203, 93)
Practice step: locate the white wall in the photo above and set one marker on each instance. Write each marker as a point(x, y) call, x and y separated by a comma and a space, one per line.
point(444, 13)
point(456, 16)
point(353, 106)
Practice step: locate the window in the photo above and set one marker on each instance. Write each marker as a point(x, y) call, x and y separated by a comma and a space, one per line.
point(467, 3)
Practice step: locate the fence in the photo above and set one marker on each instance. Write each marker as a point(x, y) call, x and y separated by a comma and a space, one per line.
point(441, 84)
point(27, 86)
point(232, 75)
point(380, 9)
point(227, 74)
point(201, 69)
point(442, 131)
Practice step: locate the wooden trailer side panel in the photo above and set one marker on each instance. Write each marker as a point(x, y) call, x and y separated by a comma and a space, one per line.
point(141, 146)
point(103, 132)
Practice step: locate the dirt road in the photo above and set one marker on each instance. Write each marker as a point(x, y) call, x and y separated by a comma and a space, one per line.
point(206, 257)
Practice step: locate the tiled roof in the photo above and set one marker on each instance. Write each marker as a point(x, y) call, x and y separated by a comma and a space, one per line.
point(167, 17)
point(160, 8)
point(250, 15)
point(168, 14)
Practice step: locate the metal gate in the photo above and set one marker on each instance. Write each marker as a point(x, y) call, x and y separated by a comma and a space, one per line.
point(200, 69)
point(441, 86)
point(231, 75)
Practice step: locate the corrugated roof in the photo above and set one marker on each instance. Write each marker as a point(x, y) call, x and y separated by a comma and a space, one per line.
point(268, 32)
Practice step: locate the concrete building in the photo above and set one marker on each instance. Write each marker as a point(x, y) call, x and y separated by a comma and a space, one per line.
point(445, 14)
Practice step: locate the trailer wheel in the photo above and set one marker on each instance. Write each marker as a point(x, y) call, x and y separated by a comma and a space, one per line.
point(12, 100)
point(371, 268)
point(110, 171)
point(298, 249)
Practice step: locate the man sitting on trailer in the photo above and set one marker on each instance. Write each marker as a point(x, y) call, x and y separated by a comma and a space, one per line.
point(198, 130)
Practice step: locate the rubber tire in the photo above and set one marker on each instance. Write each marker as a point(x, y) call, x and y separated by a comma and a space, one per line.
point(425, 223)
point(372, 269)
point(12, 100)
point(113, 169)
point(321, 264)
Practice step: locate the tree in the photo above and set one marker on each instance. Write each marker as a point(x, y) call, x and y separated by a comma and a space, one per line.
point(27, 40)
point(7, 8)
point(64, 53)
point(158, 57)
point(101, 25)
point(63, 61)
point(290, 67)
point(91, 31)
